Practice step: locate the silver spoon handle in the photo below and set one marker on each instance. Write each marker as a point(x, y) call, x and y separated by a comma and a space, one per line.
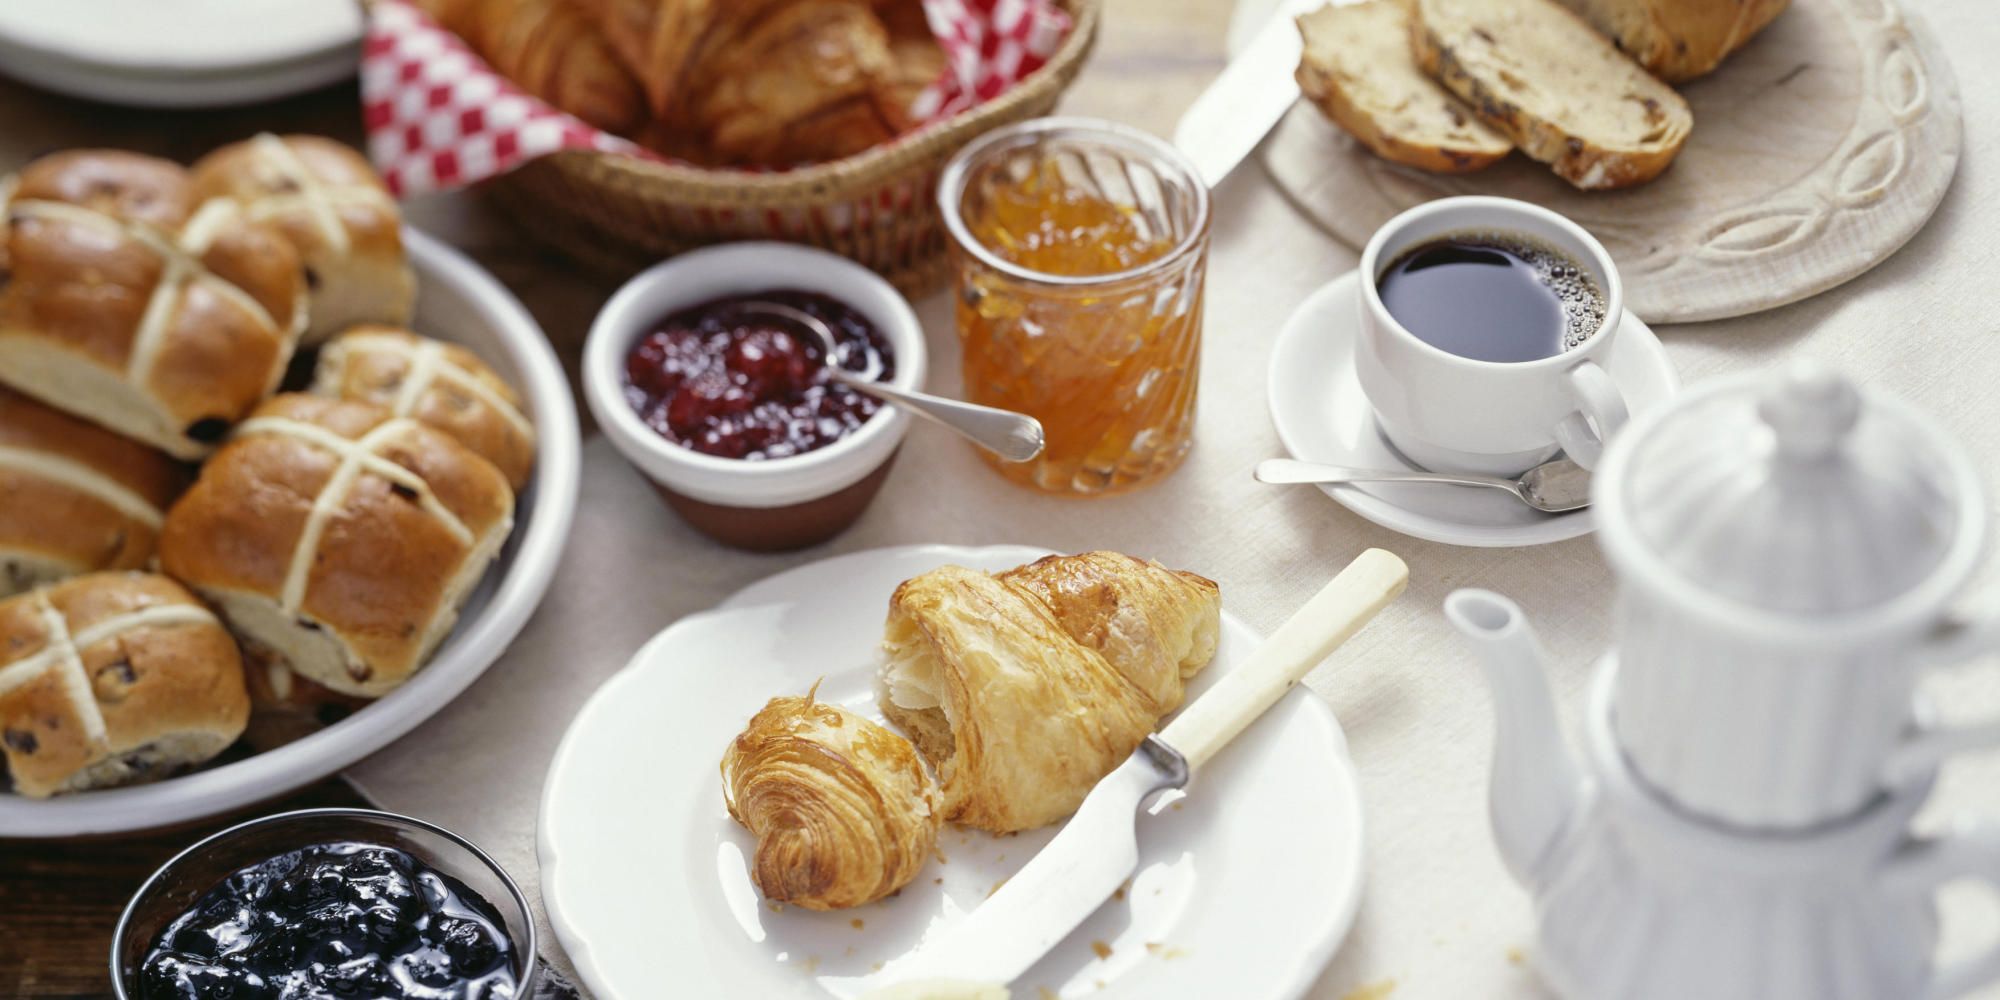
point(1284, 471)
point(1015, 437)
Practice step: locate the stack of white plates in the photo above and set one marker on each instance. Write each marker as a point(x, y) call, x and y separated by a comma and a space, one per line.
point(180, 53)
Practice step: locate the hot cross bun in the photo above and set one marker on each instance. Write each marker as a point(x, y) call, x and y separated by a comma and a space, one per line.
point(112, 679)
point(132, 305)
point(327, 201)
point(339, 538)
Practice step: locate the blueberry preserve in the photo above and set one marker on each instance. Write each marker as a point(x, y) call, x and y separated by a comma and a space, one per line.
point(737, 384)
point(341, 920)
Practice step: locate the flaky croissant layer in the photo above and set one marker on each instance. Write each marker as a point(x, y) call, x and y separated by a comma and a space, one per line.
point(843, 810)
point(1024, 688)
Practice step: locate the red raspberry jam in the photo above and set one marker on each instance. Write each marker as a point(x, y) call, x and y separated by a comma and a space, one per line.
point(738, 384)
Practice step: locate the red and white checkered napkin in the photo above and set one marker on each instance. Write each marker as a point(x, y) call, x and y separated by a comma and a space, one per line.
point(438, 117)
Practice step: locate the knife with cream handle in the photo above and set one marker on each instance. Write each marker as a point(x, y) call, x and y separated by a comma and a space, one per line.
point(1098, 848)
point(1333, 615)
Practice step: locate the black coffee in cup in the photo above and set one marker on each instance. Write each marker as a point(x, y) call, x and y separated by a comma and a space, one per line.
point(1492, 297)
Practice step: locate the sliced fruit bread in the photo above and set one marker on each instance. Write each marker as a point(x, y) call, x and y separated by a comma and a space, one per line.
point(1679, 40)
point(1358, 68)
point(1539, 75)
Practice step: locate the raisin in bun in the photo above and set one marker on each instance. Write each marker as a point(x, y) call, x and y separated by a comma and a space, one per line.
point(129, 304)
point(111, 679)
point(329, 204)
point(339, 538)
point(75, 497)
point(441, 385)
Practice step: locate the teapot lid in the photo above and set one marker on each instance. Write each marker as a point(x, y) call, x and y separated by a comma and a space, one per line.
point(1796, 492)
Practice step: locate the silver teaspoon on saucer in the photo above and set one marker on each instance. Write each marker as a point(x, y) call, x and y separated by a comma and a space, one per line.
point(1015, 437)
point(1554, 487)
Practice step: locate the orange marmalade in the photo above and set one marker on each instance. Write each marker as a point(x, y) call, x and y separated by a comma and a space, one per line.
point(1109, 366)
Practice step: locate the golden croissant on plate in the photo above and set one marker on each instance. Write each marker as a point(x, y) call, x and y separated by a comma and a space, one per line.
point(1024, 688)
point(843, 810)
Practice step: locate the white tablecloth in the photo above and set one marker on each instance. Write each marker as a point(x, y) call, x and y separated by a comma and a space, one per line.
point(1440, 918)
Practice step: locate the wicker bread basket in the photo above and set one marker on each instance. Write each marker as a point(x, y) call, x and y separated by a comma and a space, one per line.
point(878, 207)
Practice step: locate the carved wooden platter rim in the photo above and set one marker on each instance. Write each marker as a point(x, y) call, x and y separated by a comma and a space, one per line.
point(1798, 236)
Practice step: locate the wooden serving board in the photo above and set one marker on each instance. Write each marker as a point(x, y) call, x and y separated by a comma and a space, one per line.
point(1817, 151)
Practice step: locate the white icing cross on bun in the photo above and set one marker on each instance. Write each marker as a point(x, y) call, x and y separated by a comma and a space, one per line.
point(356, 457)
point(64, 652)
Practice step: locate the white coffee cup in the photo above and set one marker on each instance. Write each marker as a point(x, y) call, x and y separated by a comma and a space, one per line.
point(1452, 414)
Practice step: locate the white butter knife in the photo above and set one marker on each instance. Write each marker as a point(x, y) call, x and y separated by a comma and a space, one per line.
point(1233, 115)
point(1098, 849)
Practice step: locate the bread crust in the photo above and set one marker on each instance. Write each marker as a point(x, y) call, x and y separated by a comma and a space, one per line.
point(1577, 159)
point(339, 537)
point(326, 200)
point(1323, 83)
point(442, 385)
point(75, 497)
point(94, 240)
point(1680, 40)
point(113, 678)
point(1368, 131)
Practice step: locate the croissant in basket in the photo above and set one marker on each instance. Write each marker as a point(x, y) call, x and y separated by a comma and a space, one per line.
point(916, 61)
point(1025, 688)
point(553, 51)
point(798, 85)
point(843, 811)
point(771, 82)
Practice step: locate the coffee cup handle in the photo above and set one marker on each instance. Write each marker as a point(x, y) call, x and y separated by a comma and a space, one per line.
point(1600, 412)
point(1922, 866)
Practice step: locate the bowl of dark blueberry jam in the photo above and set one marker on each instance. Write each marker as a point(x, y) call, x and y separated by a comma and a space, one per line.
point(730, 413)
point(327, 904)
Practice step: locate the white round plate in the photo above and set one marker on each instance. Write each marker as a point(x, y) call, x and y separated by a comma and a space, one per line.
point(1244, 888)
point(181, 36)
point(456, 301)
point(177, 90)
point(180, 53)
point(1322, 416)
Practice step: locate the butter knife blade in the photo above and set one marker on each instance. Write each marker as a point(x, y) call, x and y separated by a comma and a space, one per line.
point(1234, 114)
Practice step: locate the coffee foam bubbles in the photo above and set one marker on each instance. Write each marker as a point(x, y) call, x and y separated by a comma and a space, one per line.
point(1581, 298)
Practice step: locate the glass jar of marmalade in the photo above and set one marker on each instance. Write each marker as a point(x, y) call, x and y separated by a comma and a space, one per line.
point(1081, 247)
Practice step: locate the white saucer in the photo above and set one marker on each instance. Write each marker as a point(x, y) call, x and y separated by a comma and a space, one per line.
point(1244, 888)
point(1321, 416)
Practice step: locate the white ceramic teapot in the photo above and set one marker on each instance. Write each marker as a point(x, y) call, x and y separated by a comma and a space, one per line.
point(1637, 900)
point(1788, 549)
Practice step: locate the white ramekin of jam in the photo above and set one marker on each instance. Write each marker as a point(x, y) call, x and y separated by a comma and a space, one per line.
point(727, 412)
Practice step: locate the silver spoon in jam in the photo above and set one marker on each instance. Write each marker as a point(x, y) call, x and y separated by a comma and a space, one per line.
point(1015, 437)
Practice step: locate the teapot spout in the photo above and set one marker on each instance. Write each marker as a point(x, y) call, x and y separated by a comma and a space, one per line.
point(1536, 786)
